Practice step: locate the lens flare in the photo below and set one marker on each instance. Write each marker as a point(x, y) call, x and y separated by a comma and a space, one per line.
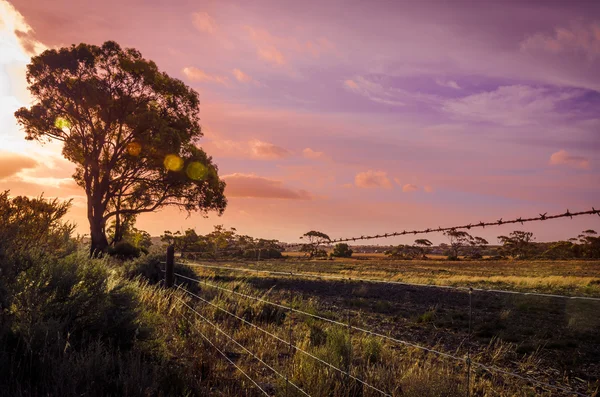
point(62, 123)
point(196, 171)
point(173, 162)
point(134, 148)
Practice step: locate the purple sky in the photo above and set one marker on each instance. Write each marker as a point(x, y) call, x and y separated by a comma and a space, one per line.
point(352, 117)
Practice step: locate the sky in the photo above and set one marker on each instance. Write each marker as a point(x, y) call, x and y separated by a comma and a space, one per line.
point(351, 117)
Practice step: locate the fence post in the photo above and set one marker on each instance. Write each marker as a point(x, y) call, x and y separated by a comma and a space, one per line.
point(170, 268)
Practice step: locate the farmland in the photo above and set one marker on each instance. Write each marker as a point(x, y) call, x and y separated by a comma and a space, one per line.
point(544, 338)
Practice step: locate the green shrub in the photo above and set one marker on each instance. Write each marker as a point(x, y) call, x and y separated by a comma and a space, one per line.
point(151, 268)
point(124, 251)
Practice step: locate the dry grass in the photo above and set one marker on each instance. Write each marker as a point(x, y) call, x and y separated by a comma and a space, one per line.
point(407, 371)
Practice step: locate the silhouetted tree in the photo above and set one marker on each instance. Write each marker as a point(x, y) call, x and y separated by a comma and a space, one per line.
point(342, 250)
point(315, 239)
point(130, 129)
point(422, 246)
point(462, 243)
point(517, 244)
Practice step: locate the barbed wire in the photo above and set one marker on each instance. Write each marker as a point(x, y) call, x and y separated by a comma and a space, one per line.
point(541, 217)
point(349, 278)
point(295, 347)
point(216, 327)
point(392, 339)
point(227, 358)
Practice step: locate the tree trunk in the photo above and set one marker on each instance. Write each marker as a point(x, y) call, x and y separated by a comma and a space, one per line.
point(99, 242)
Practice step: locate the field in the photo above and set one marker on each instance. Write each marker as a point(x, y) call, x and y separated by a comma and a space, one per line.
point(552, 340)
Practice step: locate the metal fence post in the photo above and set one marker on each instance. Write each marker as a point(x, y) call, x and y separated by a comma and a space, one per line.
point(170, 268)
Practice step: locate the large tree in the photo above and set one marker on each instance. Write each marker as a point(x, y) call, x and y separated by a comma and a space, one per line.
point(131, 130)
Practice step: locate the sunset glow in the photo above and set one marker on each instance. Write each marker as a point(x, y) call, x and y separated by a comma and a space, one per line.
point(352, 119)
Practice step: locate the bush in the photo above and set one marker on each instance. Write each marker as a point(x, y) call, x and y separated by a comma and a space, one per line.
point(342, 250)
point(57, 308)
point(124, 251)
point(150, 267)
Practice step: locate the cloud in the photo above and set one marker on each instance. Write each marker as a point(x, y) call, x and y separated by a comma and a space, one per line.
point(277, 50)
point(373, 91)
point(448, 83)
point(376, 91)
point(252, 149)
point(579, 37)
point(313, 155)
point(511, 105)
point(242, 77)
point(272, 55)
point(253, 186)
point(204, 22)
point(562, 157)
point(13, 163)
point(199, 75)
point(372, 179)
point(409, 187)
point(428, 189)
point(267, 151)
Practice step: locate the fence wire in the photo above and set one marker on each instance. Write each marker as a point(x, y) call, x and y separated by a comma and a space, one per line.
point(541, 217)
point(392, 339)
point(287, 343)
point(216, 327)
point(349, 278)
point(225, 355)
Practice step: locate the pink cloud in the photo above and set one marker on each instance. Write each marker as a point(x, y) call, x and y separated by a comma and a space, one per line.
point(409, 187)
point(198, 75)
point(217, 145)
point(204, 22)
point(311, 154)
point(428, 189)
point(267, 151)
point(253, 186)
point(13, 163)
point(372, 179)
point(579, 37)
point(562, 157)
point(241, 76)
point(277, 50)
point(272, 55)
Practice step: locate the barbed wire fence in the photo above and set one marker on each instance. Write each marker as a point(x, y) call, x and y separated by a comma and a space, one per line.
point(465, 360)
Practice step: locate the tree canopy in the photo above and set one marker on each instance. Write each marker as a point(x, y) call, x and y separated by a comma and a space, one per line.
point(131, 130)
point(315, 239)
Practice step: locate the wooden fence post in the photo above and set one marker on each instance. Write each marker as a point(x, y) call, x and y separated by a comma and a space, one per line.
point(170, 268)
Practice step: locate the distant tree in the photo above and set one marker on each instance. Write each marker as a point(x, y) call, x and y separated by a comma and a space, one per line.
point(130, 129)
point(342, 250)
point(459, 240)
point(517, 244)
point(462, 243)
point(476, 247)
point(422, 246)
point(315, 240)
point(560, 250)
point(589, 244)
point(139, 239)
point(221, 239)
point(186, 242)
point(401, 251)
